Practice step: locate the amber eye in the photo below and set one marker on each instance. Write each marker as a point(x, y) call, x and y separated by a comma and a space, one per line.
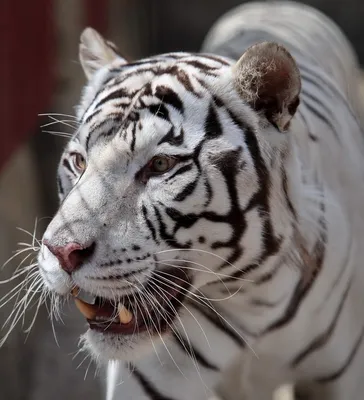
point(161, 164)
point(79, 161)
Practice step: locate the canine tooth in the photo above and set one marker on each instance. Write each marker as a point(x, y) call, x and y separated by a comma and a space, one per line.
point(88, 310)
point(125, 315)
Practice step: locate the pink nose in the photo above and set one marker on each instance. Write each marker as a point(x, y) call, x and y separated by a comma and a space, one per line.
point(72, 255)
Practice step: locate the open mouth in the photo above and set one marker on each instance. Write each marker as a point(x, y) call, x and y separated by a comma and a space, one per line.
point(153, 308)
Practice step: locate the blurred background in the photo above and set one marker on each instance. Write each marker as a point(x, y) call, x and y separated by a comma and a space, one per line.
point(40, 73)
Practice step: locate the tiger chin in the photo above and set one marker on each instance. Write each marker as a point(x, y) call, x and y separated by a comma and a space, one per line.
point(202, 220)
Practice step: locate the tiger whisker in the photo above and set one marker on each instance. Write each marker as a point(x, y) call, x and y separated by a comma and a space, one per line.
point(83, 360)
point(190, 353)
point(203, 302)
point(17, 253)
point(33, 290)
point(88, 367)
point(18, 312)
point(58, 114)
point(33, 264)
point(189, 311)
point(58, 133)
point(76, 353)
point(159, 307)
point(17, 274)
point(52, 316)
point(41, 300)
point(202, 295)
point(166, 347)
point(145, 322)
point(16, 290)
point(209, 270)
point(60, 121)
point(201, 251)
point(32, 235)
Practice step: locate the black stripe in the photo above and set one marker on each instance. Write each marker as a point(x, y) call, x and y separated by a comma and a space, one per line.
point(149, 389)
point(271, 244)
point(180, 171)
point(149, 224)
point(285, 191)
point(318, 113)
point(344, 266)
point(238, 274)
point(113, 119)
point(257, 302)
point(117, 94)
point(311, 135)
point(135, 64)
point(214, 58)
point(213, 128)
point(207, 69)
point(159, 110)
point(267, 276)
point(171, 139)
point(336, 375)
point(187, 191)
point(94, 113)
point(209, 191)
point(67, 165)
point(192, 352)
point(87, 142)
point(300, 292)
point(172, 213)
point(323, 338)
point(304, 285)
point(60, 186)
point(181, 76)
point(169, 96)
point(121, 276)
point(318, 81)
point(133, 137)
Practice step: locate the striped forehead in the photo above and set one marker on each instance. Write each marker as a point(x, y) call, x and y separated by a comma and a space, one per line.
point(161, 86)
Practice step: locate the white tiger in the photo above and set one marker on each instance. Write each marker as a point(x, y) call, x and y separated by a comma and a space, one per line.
point(214, 209)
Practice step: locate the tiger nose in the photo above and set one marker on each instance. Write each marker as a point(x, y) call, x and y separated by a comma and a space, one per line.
point(72, 255)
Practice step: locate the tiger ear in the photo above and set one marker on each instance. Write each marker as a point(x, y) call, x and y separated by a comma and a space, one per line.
point(268, 79)
point(95, 52)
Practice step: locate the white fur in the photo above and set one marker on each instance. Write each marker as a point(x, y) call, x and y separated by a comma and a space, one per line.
point(105, 205)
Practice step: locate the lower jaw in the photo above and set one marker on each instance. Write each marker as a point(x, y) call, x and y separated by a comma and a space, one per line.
point(107, 346)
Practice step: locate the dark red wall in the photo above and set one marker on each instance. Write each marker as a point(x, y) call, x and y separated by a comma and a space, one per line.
point(26, 43)
point(27, 61)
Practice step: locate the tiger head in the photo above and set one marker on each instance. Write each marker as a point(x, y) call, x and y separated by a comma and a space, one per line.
point(173, 181)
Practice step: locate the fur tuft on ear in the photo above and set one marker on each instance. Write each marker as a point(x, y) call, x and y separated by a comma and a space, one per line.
point(268, 79)
point(95, 52)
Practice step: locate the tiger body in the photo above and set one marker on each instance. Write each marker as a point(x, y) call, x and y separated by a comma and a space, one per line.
point(263, 211)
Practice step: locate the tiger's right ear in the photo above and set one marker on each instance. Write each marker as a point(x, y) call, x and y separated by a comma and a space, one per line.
point(95, 52)
point(268, 79)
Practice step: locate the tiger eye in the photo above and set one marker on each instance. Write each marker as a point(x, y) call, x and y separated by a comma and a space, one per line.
point(160, 164)
point(79, 161)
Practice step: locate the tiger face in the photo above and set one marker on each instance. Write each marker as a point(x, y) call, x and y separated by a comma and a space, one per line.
point(168, 186)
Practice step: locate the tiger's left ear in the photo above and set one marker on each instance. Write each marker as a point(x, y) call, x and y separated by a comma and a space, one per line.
point(268, 79)
point(95, 52)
